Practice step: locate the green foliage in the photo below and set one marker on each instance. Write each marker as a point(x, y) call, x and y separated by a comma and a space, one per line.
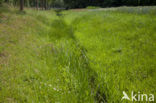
point(4, 8)
point(120, 48)
point(81, 57)
point(1, 2)
point(65, 31)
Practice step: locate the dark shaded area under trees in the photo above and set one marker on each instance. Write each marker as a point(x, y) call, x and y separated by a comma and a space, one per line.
point(107, 3)
point(46, 4)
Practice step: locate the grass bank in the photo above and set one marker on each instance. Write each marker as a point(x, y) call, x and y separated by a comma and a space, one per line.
point(82, 56)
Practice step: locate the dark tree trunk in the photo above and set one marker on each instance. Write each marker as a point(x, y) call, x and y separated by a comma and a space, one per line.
point(21, 5)
point(37, 4)
point(42, 4)
point(45, 4)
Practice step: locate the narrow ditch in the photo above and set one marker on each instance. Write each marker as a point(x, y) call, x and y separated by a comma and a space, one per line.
point(67, 31)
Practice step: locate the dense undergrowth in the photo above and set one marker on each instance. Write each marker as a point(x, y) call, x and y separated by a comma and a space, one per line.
point(76, 56)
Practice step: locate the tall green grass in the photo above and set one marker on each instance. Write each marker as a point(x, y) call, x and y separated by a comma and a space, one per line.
point(120, 47)
point(76, 57)
point(45, 64)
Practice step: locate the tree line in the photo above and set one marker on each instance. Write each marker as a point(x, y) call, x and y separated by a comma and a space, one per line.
point(47, 4)
point(38, 4)
point(107, 3)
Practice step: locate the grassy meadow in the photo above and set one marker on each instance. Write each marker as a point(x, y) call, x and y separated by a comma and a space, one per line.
point(76, 56)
